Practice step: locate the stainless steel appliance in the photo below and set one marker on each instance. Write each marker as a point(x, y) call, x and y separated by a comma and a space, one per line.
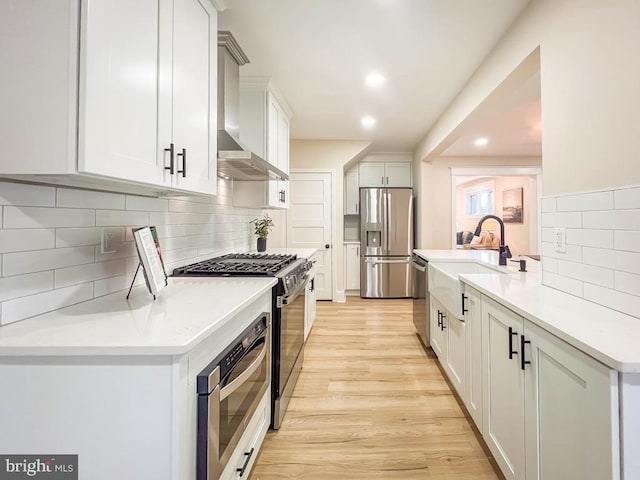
point(287, 313)
point(386, 237)
point(421, 305)
point(229, 391)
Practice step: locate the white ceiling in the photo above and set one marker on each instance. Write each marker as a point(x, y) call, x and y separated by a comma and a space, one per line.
point(513, 129)
point(319, 52)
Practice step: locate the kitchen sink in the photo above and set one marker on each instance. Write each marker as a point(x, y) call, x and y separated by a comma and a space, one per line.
point(445, 285)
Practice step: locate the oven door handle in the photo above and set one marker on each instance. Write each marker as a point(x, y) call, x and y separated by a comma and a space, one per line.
point(288, 299)
point(233, 386)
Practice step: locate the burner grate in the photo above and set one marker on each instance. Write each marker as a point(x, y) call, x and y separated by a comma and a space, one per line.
point(248, 264)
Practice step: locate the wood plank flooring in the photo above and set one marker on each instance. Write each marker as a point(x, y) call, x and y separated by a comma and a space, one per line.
point(370, 403)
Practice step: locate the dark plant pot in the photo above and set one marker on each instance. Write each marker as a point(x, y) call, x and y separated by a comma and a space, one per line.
point(262, 244)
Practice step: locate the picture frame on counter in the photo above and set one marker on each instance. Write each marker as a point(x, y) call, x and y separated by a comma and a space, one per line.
point(150, 255)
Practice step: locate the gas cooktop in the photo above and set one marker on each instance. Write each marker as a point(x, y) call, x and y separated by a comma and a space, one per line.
point(236, 264)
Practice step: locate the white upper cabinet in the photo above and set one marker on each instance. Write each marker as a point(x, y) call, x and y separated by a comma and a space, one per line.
point(264, 129)
point(147, 80)
point(385, 174)
point(351, 192)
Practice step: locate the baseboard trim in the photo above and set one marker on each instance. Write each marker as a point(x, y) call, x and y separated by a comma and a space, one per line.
point(340, 296)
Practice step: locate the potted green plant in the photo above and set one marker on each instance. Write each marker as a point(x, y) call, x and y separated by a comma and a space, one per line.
point(262, 227)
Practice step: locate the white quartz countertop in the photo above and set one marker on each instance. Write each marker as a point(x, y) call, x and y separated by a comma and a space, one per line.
point(186, 312)
point(300, 252)
point(608, 336)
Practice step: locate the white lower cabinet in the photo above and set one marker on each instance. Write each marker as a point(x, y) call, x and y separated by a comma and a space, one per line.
point(310, 302)
point(438, 327)
point(550, 411)
point(352, 267)
point(473, 323)
point(244, 456)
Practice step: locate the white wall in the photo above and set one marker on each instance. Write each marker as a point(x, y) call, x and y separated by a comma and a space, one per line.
point(50, 241)
point(590, 94)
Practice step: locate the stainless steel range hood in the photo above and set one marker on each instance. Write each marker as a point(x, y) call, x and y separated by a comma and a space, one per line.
point(234, 159)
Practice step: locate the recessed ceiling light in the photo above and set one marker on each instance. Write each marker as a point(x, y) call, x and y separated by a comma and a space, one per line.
point(375, 80)
point(368, 122)
point(481, 141)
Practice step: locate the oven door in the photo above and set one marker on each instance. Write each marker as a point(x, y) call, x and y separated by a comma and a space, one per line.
point(232, 403)
point(291, 331)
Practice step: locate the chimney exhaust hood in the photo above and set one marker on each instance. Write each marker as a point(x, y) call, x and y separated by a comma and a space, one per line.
point(234, 159)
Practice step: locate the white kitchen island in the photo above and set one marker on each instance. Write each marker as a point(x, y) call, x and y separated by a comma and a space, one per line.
point(552, 381)
point(114, 380)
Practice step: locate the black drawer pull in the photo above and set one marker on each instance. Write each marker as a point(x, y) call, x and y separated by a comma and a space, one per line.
point(171, 166)
point(184, 162)
point(464, 310)
point(523, 342)
point(512, 352)
point(246, 461)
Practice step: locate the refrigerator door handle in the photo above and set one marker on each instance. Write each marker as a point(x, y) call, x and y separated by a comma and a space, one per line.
point(375, 261)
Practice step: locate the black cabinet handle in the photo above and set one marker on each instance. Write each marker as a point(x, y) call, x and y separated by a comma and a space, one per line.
point(184, 162)
point(464, 310)
point(387, 180)
point(171, 166)
point(246, 462)
point(523, 342)
point(439, 319)
point(512, 352)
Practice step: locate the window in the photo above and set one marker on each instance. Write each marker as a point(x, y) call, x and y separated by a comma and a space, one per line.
point(479, 202)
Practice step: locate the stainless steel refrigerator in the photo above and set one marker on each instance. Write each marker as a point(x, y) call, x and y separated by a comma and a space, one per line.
point(386, 242)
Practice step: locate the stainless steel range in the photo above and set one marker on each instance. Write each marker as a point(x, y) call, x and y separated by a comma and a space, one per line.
point(288, 313)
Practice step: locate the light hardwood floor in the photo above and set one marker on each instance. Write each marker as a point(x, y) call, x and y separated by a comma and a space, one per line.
point(370, 403)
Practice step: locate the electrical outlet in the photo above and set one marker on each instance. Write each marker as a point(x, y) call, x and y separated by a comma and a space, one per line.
point(560, 239)
point(110, 239)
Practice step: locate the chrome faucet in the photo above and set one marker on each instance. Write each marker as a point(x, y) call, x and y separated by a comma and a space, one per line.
point(504, 252)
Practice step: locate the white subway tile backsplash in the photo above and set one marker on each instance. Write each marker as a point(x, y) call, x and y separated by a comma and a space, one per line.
point(627, 198)
point(27, 195)
point(620, 301)
point(23, 240)
point(549, 204)
point(106, 286)
point(35, 217)
point(69, 197)
point(77, 237)
point(25, 285)
point(609, 239)
point(562, 219)
point(86, 273)
point(550, 264)
point(573, 253)
point(564, 284)
point(626, 240)
point(50, 254)
point(110, 218)
point(628, 283)
point(612, 259)
point(590, 238)
point(612, 220)
point(25, 307)
point(585, 202)
point(40, 260)
point(147, 204)
point(586, 273)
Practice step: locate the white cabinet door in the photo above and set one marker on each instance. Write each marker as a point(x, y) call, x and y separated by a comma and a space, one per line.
point(310, 303)
point(397, 174)
point(455, 363)
point(124, 45)
point(283, 142)
point(503, 389)
point(194, 103)
point(571, 412)
point(438, 327)
point(371, 174)
point(273, 116)
point(352, 256)
point(351, 192)
point(473, 320)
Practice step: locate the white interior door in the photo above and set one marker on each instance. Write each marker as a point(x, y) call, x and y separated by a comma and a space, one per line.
point(309, 222)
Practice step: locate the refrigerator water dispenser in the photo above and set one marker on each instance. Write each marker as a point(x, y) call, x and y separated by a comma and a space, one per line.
point(374, 238)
